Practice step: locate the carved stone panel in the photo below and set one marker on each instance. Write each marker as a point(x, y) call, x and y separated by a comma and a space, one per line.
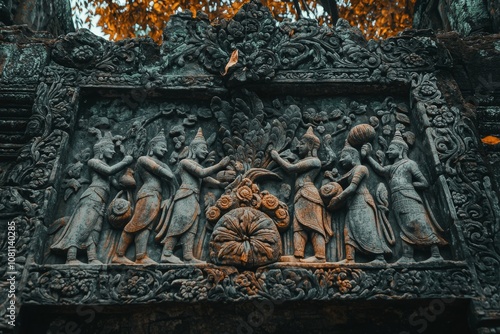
point(292, 162)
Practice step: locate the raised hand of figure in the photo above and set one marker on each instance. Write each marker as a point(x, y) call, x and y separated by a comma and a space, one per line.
point(274, 154)
point(128, 159)
point(366, 150)
point(225, 161)
point(332, 175)
point(329, 175)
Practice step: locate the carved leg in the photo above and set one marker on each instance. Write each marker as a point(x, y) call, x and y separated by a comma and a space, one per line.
point(299, 243)
point(349, 254)
point(123, 244)
point(92, 254)
point(319, 245)
point(379, 259)
point(141, 252)
point(435, 255)
point(71, 257)
point(167, 253)
point(407, 254)
point(187, 248)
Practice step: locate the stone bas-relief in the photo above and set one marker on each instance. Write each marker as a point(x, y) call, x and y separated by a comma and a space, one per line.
point(417, 224)
point(148, 202)
point(310, 220)
point(181, 221)
point(220, 200)
point(414, 221)
point(82, 229)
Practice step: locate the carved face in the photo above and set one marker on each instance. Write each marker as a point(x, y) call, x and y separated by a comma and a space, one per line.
point(201, 151)
point(303, 147)
point(159, 149)
point(108, 151)
point(346, 159)
point(394, 151)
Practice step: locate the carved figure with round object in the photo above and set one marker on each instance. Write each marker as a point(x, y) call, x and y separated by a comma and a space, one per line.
point(152, 171)
point(84, 226)
point(416, 222)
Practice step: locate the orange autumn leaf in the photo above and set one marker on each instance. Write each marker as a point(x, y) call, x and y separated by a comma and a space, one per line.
point(490, 140)
point(376, 19)
point(233, 60)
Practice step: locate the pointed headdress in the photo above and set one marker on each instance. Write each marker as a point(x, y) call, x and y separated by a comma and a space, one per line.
point(102, 141)
point(399, 140)
point(160, 137)
point(312, 137)
point(198, 139)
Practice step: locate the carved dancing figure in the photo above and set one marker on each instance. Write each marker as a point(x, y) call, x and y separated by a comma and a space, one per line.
point(151, 171)
point(362, 231)
point(310, 221)
point(84, 226)
point(181, 221)
point(417, 227)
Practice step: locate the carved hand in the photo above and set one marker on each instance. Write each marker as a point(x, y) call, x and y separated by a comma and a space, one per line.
point(128, 159)
point(275, 155)
point(335, 202)
point(366, 150)
point(225, 161)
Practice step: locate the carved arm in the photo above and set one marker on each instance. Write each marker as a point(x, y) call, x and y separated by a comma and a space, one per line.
point(379, 169)
point(200, 172)
point(155, 168)
point(103, 168)
point(299, 167)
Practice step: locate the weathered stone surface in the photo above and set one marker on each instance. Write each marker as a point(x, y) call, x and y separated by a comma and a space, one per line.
point(463, 16)
point(251, 152)
point(53, 16)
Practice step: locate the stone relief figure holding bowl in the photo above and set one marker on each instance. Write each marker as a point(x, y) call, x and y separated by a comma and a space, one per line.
point(362, 230)
point(84, 226)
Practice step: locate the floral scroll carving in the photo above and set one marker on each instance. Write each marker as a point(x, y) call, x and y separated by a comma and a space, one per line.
point(264, 48)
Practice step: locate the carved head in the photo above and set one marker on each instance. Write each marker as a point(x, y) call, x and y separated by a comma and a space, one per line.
point(158, 145)
point(104, 148)
point(349, 157)
point(398, 147)
point(309, 143)
point(198, 147)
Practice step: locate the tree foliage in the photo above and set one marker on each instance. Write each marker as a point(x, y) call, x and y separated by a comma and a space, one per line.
point(131, 18)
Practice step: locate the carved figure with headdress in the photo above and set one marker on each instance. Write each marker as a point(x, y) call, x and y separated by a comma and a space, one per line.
point(83, 228)
point(181, 220)
point(418, 228)
point(151, 171)
point(311, 222)
point(362, 229)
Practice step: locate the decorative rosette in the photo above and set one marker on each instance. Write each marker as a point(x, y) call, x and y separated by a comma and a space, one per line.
point(213, 214)
point(245, 237)
point(269, 202)
point(225, 202)
point(246, 194)
point(282, 218)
